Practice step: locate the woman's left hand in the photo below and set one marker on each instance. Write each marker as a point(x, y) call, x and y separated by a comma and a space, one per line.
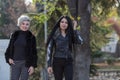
point(31, 70)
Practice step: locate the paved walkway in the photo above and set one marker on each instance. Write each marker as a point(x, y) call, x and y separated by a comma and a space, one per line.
point(4, 67)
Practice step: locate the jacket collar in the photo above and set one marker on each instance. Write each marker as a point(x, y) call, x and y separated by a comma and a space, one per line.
point(29, 34)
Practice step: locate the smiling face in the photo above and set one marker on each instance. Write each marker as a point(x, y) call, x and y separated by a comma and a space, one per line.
point(63, 24)
point(24, 26)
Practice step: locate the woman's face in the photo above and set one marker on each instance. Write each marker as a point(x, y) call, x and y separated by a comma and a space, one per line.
point(24, 26)
point(63, 24)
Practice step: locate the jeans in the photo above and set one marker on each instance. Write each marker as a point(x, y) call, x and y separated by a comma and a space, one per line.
point(19, 71)
point(63, 68)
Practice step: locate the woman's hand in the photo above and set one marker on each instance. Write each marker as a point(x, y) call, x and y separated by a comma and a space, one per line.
point(11, 61)
point(31, 70)
point(50, 70)
point(74, 24)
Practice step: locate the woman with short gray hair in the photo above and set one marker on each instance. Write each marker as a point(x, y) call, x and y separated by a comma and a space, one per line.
point(21, 53)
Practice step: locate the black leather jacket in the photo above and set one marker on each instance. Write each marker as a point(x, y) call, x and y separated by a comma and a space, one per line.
point(59, 47)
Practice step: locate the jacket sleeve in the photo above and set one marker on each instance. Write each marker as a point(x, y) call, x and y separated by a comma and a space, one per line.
point(50, 52)
point(7, 53)
point(8, 50)
point(34, 53)
point(77, 37)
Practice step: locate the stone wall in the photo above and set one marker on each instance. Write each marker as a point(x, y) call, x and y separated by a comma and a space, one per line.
point(107, 74)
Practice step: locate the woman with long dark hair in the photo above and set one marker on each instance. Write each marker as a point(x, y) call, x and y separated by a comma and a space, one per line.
point(59, 48)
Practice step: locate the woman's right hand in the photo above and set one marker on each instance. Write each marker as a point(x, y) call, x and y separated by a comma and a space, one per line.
point(75, 24)
point(11, 61)
point(50, 70)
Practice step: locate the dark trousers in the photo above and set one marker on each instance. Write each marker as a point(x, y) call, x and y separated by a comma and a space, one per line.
point(19, 71)
point(63, 68)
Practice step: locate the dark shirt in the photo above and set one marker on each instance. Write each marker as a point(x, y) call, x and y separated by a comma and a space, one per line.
point(19, 46)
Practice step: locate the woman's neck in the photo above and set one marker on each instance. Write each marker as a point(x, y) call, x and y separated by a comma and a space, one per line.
point(63, 33)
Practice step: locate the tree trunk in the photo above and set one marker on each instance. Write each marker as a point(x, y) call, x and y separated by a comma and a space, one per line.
point(81, 8)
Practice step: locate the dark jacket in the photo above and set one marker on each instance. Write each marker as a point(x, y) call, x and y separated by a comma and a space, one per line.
point(31, 51)
point(61, 47)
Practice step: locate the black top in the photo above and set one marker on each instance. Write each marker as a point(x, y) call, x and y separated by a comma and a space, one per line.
point(19, 46)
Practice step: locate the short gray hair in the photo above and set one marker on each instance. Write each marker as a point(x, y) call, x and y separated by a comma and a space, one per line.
point(23, 18)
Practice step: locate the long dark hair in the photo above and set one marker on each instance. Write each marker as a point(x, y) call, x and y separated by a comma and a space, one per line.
point(69, 30)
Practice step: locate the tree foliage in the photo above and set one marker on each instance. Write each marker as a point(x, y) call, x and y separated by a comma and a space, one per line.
point(102, 10)
point(10, 11)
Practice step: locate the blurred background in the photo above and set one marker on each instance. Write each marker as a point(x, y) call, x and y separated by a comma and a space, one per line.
point(104, 34)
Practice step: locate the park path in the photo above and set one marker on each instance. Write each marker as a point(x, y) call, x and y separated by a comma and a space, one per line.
point(4, 67)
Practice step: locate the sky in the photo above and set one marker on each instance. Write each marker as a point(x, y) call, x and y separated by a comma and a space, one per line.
point(27, 2)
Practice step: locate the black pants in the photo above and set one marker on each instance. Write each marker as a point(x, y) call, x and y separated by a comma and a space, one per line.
point(63, 68)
